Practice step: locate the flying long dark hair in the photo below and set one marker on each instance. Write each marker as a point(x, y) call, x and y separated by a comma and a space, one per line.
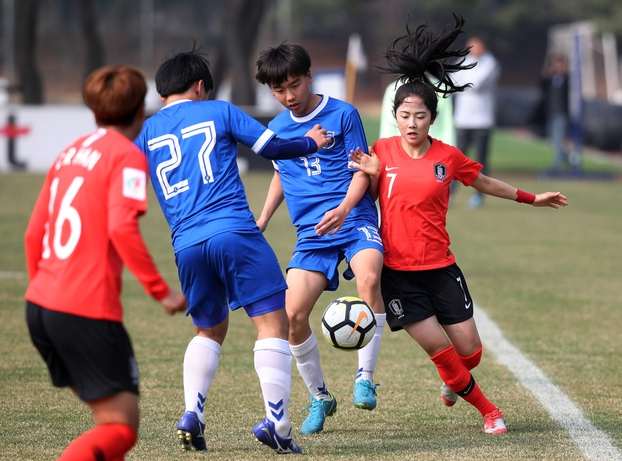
point(424, 64)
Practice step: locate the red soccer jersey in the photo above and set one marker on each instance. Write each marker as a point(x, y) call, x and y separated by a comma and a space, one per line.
point(414, 197)
point(85, 226)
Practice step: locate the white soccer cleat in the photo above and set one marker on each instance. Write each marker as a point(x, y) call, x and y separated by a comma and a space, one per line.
point(493, 423)
point(449, 397)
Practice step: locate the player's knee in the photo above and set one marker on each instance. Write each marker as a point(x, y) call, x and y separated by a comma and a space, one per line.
point(276, 325)
point(216, 335)
point(297, 318)
point(368, 283)
point(472, 360)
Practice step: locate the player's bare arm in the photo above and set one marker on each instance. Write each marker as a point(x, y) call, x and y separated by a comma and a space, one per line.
point(333, 219)
point(497, 188)
point(368, 164)
point(274, 198)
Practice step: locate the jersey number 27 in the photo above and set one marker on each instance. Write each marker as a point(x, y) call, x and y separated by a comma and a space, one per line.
point(171, 142)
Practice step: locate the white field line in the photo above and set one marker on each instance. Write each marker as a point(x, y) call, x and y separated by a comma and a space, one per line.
point(13, 275)
point(592, 442)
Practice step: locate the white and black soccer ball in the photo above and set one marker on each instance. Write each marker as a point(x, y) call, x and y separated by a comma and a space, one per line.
point(348, 323)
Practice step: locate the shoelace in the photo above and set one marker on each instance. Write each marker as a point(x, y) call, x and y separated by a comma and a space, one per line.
point(314, 404)
point(372, 388)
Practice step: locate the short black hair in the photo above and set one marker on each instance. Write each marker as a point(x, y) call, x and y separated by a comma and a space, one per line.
point(179, 72)
point(276, 64)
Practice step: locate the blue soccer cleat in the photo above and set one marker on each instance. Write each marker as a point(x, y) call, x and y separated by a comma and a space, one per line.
point(364, 394)
point(190, 431)
point(320, 409)
point(265, 433)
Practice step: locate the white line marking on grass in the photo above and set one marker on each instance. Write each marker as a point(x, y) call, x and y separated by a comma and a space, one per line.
point(592, 442)
point(13, 275)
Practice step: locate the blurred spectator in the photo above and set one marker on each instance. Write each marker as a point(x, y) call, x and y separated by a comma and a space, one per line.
point(474, 108)
point(554, 85)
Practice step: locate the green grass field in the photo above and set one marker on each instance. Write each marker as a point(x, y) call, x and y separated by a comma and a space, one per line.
point(550, 279)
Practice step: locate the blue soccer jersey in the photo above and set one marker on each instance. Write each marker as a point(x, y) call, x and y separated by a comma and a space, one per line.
point(317, 183)
point(191, 148)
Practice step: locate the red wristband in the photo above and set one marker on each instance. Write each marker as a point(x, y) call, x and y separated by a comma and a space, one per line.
point(524, 197)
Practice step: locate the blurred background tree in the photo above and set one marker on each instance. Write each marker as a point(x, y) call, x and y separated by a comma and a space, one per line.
point(57, 41)
point(25, 43)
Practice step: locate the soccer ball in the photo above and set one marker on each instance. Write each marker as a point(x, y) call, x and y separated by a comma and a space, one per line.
point(348, 323)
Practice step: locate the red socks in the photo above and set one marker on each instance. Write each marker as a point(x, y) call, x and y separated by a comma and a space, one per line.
point(108, 442)
point(472, 360)
point(454, 373)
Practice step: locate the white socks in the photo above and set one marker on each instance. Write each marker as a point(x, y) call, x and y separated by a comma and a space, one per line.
point(200, 365)
point(368, 356)
point(273, 364)
point(307, 357)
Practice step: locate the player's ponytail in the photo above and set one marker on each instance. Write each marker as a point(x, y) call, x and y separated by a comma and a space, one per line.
point(424, 63)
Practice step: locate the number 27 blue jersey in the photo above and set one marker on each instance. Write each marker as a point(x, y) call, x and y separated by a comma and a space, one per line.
point(191, 148)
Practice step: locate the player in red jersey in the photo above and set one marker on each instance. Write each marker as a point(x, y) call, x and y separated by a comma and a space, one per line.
point(84, 227)
point(424, 291)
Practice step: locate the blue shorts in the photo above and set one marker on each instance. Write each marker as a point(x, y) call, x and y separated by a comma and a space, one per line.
point(324, 254)
point(232, 269)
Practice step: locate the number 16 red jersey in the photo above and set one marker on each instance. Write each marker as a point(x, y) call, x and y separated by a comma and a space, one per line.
point(85, 226)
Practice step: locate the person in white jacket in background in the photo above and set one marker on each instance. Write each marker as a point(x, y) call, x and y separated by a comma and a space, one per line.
point(474, 109)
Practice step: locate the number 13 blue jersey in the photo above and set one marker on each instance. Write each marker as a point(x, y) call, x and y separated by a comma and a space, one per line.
point(318, 183)
point(191, 148)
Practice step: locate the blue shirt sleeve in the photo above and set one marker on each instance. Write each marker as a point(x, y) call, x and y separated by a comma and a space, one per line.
point(353, 132)
point(282, 149)
point(248, 131)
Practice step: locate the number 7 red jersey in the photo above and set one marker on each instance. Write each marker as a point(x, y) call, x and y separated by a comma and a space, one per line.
point(414, 198)
point(84, 227)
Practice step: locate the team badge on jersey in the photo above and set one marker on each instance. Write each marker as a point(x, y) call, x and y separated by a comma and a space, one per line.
point(396, 307)
point(440, 171)
point(134, 184)
point(331, 142)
